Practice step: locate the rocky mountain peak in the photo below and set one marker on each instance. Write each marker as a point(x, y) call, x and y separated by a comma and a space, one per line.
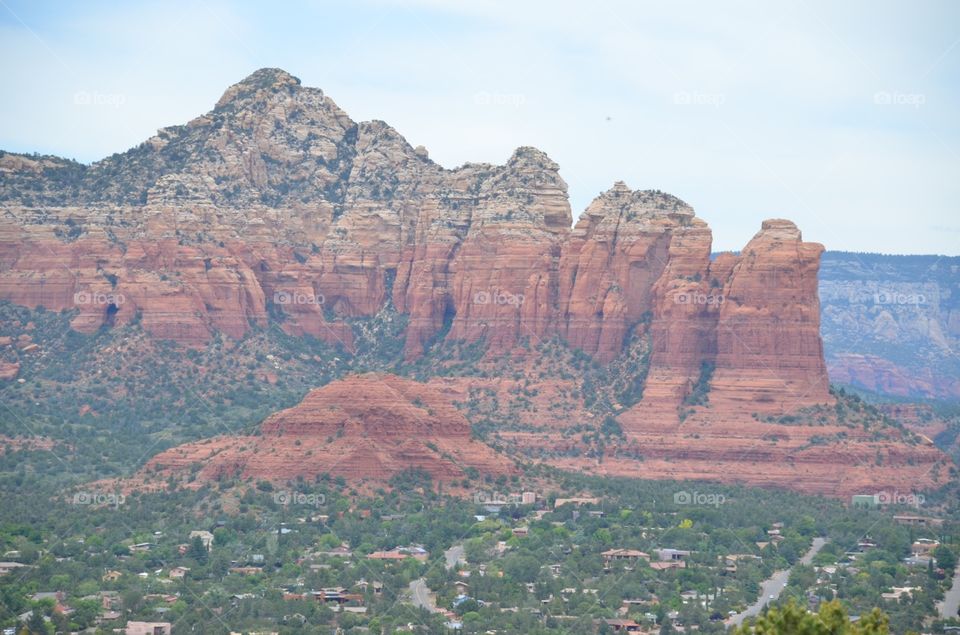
point(267, 77)
point(780, 228)
point(776, 233)
point(265, 80)
point(620, 206)
point(530, 157)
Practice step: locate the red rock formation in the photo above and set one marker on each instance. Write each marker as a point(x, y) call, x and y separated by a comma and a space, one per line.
point(830, 471)
point(753, 319)
point(275, 208)
point(484, 255)
point(768, 339)
point(620, 246)
point(808, 452)
point(364, 428)
point(275, 201)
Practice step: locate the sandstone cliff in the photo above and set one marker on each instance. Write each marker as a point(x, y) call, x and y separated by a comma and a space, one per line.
point(276, 202)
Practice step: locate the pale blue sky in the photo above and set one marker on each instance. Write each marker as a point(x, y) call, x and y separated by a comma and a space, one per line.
point(840, 116)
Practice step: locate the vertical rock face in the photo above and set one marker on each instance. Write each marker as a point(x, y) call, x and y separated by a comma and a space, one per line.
point(768, 331)
point(503, 279)
point(620, 246)
point(683, 326)
point(484, 254)
point(276, 208)
point(746, 326)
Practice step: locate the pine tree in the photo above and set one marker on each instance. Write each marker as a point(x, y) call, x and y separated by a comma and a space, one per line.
point(197, 551)
point(36, 624)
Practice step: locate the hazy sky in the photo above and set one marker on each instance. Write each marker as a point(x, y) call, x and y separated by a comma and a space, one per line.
point(842, 116)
